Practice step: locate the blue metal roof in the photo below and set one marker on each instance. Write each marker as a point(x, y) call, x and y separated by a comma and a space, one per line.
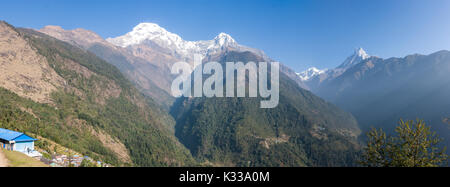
point(24, 138)
point(10, 135)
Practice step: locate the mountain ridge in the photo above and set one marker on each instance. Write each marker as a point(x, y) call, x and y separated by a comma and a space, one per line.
point(379, 92)
point(313, 73)
point(148, 64)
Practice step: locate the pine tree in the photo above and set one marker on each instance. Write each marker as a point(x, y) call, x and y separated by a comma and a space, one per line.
point(414, 146)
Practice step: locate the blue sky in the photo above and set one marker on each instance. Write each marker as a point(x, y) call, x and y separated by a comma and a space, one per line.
point(300, 33)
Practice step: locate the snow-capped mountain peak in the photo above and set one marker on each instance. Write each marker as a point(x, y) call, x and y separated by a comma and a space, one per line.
point(147, 31)
point(358, 56)
point(224, 39)
point(152, 32)
point(310, 73)
point(148, 27)
point(361, 53)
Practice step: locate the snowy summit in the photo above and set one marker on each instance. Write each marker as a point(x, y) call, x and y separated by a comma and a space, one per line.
point(310, 73)
point(358, 56)
point(154, 33)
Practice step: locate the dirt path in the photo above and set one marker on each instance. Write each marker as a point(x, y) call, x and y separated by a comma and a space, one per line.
point(3, 160)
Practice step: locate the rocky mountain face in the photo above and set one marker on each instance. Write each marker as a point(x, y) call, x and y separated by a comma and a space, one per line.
point(24, 71)
point(59, 92)
point(379, 92)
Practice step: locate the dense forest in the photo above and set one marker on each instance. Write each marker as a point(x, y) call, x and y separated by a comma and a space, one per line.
point(303, 130)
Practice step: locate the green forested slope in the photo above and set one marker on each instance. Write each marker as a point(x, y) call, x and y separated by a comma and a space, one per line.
point(101, 98)
point(303, 130)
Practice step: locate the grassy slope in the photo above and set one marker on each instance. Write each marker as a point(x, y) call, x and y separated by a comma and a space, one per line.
point(17, 159)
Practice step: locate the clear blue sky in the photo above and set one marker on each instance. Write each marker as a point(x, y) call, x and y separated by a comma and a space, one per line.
point(299, 33)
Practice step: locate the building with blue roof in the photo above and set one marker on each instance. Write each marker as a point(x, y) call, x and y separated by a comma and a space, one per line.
point(16, 141)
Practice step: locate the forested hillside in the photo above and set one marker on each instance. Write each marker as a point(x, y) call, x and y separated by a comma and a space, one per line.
point(91, 108)
point(303, 130)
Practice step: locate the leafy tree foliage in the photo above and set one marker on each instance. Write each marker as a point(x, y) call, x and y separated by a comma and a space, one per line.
point(414, 146)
